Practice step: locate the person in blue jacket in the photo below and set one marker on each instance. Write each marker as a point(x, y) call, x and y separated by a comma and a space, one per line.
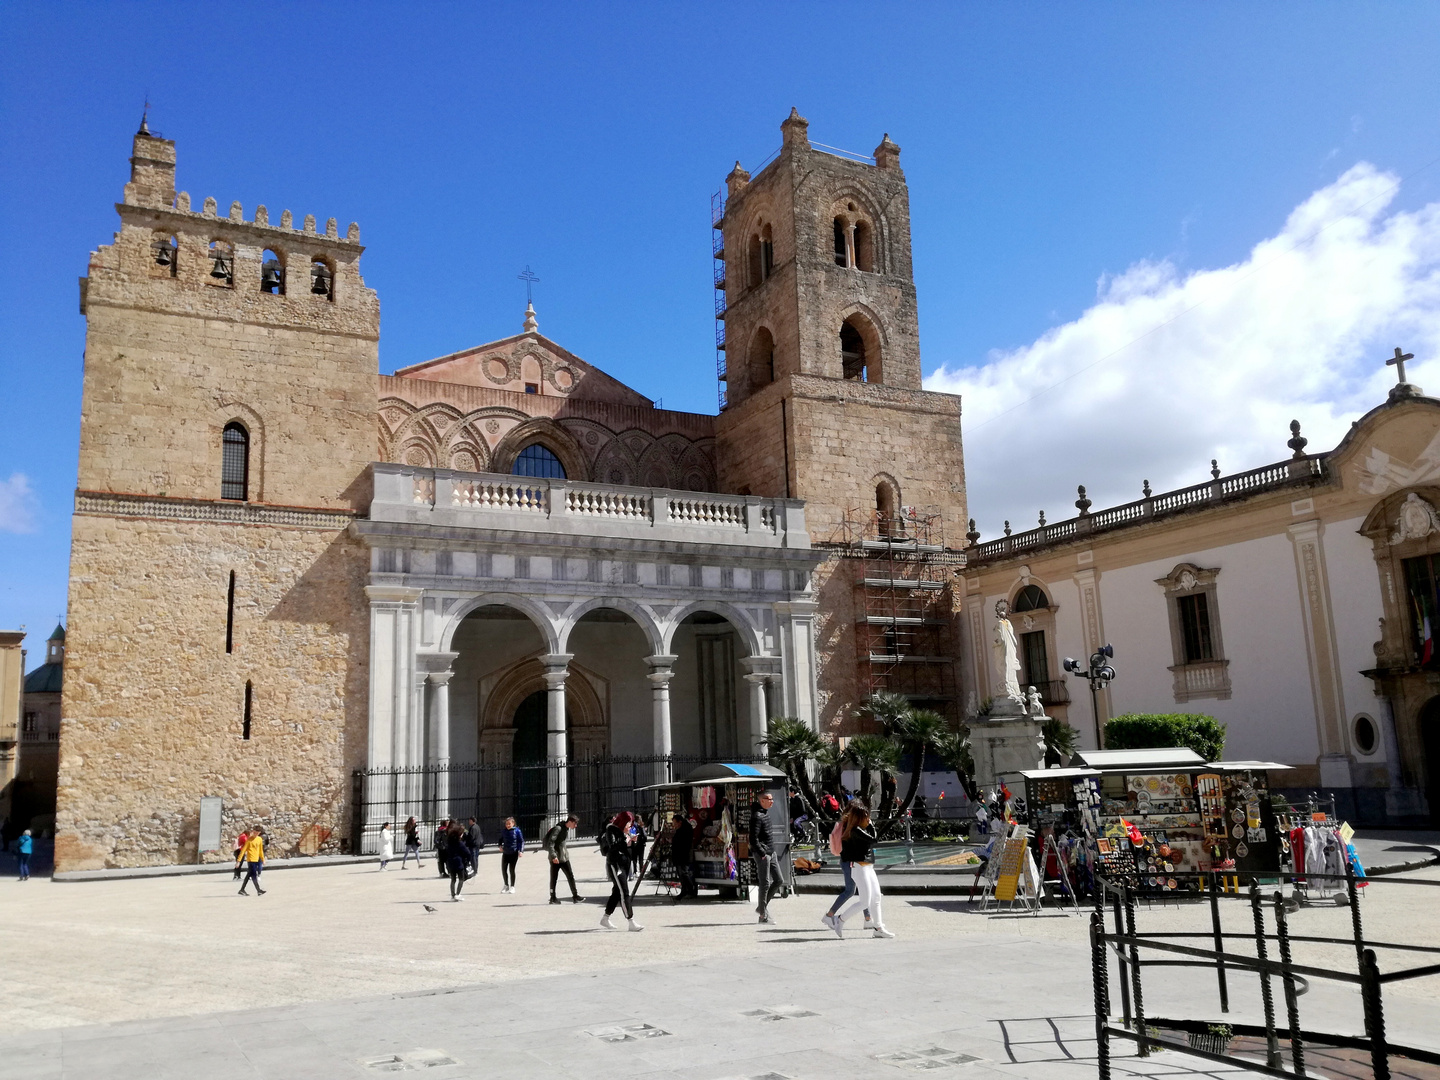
point(25, 847)
point(512, 844)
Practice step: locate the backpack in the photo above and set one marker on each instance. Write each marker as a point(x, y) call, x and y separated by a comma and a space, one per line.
point(835, 838)
point(606, 842)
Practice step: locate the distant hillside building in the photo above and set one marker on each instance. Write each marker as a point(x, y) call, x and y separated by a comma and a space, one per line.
point(39, 752)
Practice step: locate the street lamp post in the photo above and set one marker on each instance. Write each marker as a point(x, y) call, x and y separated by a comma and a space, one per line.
point(1098, 674)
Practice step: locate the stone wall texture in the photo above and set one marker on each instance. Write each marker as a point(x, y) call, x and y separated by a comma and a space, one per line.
point(154, 705)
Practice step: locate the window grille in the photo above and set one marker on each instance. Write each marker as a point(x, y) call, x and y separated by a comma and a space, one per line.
point(235, 463)
point(538, 460)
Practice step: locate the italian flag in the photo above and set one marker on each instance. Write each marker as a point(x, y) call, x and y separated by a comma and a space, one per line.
point(1427, 637)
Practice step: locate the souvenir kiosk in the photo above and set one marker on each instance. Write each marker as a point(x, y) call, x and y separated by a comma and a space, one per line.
point(1150, 814)
point(717, 798)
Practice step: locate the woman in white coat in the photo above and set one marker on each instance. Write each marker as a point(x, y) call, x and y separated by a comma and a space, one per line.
point(387, 845)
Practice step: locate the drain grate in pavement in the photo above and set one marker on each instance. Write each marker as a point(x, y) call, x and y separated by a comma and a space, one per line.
point(933, 1057)
point(778, 1012)
point(627, 1033)
point(410, 1061)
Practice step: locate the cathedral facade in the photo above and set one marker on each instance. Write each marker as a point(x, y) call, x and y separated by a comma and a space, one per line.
point(289, 570)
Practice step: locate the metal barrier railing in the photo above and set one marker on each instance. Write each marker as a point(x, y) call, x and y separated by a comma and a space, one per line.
point(1128, 942)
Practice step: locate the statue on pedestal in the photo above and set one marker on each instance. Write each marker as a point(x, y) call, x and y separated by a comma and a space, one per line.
point(1009, 701)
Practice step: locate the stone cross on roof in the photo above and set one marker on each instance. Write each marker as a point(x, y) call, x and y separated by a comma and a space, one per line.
point(1398, 362)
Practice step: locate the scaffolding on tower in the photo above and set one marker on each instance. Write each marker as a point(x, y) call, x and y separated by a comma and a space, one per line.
point(717, 248)
point(904, 623)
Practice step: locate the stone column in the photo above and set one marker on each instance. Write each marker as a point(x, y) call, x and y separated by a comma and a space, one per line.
point(661, 672)
point(392, 657)
point(1092, 626)
point(440, 738)
point(557, 670)
point(758, 719)
point(797, 633)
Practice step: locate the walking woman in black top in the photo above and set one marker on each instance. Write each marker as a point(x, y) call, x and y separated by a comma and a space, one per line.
point(857, 847)
point(615, 846)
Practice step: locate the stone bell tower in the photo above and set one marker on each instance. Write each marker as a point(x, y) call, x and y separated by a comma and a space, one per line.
point(823, 395)
point(218, 627)
point(824, 403)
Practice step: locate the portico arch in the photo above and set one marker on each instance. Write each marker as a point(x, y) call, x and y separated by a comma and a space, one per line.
point(643, 617)
point(544, 622)
point(748, 633)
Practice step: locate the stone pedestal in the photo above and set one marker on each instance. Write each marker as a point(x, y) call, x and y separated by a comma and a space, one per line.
point(1006, 740)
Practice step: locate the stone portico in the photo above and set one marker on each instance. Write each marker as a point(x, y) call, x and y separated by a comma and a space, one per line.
point(656, 621)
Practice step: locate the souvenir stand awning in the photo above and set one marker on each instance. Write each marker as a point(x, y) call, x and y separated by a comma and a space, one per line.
point(1153, 813)
point(718, 798)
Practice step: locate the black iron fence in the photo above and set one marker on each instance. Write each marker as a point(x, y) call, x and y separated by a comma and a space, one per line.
point(1282, 1036)
point(594, 789)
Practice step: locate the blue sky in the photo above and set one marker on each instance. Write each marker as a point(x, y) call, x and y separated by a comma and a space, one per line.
point(1061, 159)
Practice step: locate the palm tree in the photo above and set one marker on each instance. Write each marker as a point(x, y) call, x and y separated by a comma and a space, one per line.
point(886, 708)
point(1060, 740)
point(870, 754)
point(791, 744)
point(953, 748)
point(918, 731)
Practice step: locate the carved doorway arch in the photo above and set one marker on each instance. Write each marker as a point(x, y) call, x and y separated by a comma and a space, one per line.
point(587, 713)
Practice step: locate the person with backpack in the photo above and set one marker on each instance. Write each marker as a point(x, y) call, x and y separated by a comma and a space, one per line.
point(837, 848)
point(457, 860)
point(512, 846)
point(615, 847)
point(556, 845)
point(857, 847)
point(412, 843)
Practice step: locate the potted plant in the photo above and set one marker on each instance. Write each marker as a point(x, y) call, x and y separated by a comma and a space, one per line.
point(1215, 1039)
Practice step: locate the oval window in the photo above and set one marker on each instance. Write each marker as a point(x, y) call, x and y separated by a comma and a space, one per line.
point(1365, 735)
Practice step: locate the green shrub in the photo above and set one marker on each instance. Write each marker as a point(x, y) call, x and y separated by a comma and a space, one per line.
point(1151, 731)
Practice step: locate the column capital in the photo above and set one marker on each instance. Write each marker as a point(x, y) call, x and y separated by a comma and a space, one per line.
point(796, 609)
point(661, 660)
point(393, 594)
point(440, 678)
point(764, 666)
point(557, 669)
point(759, 678)
point(436, 663)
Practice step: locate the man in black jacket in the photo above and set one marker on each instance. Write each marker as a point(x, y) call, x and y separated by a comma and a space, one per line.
point(768, 879)
point(474, 841)
point(682, 846)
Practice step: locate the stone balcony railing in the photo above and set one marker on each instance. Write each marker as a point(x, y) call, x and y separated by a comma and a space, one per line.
point(443, 497)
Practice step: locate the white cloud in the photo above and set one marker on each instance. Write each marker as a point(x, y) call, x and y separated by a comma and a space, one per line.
point(17, 504)
point(1168, 370)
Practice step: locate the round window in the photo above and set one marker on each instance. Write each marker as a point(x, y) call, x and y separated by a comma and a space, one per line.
point(1365, 735)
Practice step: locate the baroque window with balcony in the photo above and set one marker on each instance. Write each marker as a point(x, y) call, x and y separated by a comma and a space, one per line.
point(1200, 669)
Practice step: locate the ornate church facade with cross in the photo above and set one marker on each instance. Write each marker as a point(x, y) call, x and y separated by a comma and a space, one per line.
point(289, 570)
point(1298, 603)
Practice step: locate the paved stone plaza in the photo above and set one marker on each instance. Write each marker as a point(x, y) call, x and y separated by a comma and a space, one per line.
point(342, 971)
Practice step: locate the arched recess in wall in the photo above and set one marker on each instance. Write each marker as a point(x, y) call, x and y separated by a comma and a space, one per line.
point(887, 504)
point(761, 358)
point(587, 725)
point(549, 434)
point(861, 345)
point(237, 412)
point(747, 632)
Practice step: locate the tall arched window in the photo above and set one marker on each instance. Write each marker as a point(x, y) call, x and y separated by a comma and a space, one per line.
point(762, 359)
point(222, 264)
point(842, 251)
point(852, 353)
point(235, 462)
point(538, 460)
point(272, 274)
